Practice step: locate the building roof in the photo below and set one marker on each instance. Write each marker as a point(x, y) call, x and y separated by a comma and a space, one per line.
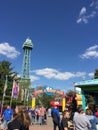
point(87, 82)
point(88, 85)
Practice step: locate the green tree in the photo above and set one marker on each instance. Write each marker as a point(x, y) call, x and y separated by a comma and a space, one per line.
point(44, 99)
point(96, 74)
point(90, 99)
point(24, 85)
point(70, 93)
point(6, 70)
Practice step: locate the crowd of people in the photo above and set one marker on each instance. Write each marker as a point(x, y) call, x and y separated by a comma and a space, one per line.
point(15, 119)
point(81, 120)
point(38, 115)
point(21, 118)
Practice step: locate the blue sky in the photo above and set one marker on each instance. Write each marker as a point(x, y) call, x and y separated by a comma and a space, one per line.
point(64, 34)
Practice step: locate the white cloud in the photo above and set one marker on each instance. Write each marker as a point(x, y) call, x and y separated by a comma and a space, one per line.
point(92, 4)
point(34, 78)
point(84, 17)
point(8, 51)
point(91, 75)
point(92, 15)
point(92, 48)
point(83, 11)
point(91, 52)
point(96, 5)
point(79, 20)
point(80, 74)
point(55, 74)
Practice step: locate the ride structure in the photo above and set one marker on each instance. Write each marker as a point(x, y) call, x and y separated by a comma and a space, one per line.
point(27, 46)
point(49, 92)
point(25, 78)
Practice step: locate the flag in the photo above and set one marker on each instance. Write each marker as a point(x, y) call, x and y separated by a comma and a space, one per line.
point(15, 89)
point(28, 95)
point(22, 94)
point(5, 86)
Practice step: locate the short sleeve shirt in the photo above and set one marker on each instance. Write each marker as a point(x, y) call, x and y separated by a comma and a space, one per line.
point(64, 123)
point(8, 114)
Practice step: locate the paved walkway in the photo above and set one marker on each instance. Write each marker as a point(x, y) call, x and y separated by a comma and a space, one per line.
point(48, 126)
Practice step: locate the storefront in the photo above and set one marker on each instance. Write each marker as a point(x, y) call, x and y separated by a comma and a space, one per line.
point(86, 87)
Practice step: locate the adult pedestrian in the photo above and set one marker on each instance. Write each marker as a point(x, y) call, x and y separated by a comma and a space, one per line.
point(49, 112)
point(21, 120)
point(81, 121)
point(55, 116)
point(30, 111)
point(66, 124)
point(93, 120)
point(37, 115)
point(7, 116)
point(42, 115)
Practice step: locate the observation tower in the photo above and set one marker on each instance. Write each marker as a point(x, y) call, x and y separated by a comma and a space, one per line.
point(27, 47)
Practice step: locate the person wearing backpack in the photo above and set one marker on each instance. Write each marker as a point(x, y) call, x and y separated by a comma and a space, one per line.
point(56, 117)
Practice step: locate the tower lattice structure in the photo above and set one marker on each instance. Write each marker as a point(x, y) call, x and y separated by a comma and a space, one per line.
point(27, 46)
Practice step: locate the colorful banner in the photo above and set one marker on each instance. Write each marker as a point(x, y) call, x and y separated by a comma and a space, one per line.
point(5, 86)
point(15, 89)
point(63, 104)
point(79, 97)
point(22, 94)
point(33, 102)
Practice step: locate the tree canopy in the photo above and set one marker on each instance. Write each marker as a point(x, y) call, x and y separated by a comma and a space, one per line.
point(96, 74)
point(6, 70)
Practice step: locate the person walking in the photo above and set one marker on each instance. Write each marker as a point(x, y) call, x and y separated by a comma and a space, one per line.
point(30, 113)
point(55, 116)
point(93, 120)
point(7, 116)
point(49, 112)
point(42, 115)
point(21, 120)
point(81, 121)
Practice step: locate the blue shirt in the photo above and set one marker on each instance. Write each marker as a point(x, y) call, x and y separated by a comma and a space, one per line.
point(8, 114)
point(93, 120)
point(55, 110)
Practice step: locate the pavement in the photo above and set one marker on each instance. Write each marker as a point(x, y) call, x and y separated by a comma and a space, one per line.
point(48, 126)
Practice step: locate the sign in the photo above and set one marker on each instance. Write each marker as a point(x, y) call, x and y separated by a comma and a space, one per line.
point(48, 90)
point(78, 95)
point(79, 102)
point(78, 90)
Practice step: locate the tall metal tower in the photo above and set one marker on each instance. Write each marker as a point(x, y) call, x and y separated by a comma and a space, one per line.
point(27, 46)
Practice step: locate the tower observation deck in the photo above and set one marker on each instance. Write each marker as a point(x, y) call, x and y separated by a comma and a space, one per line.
point(27, 47)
